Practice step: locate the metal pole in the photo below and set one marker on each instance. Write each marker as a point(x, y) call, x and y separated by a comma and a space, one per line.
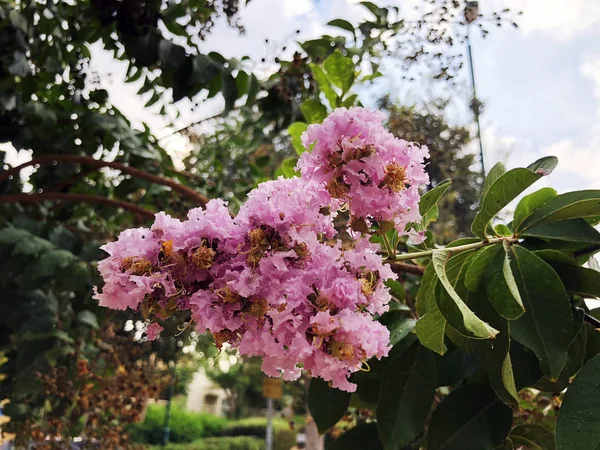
point(269, 424)
point(167, 430)
point(475, 103)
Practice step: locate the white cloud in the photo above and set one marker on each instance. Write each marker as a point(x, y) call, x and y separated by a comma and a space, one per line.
point(560, 19)
point(579, 157)
point(590, 68)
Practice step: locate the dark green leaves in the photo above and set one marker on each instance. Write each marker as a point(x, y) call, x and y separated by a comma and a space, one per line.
point(313, 110)
point(431, 326)
point(327, 405)
point(471, 415)
point(572, 205)
point(430, 198)
point(578, 424)
point(295, 130)
point(405, 396)
point(546, 325)
point(324, 85)
point(501, 288)
point(361, 437)
point(530, 203)
point(574, 230)
point(495, 172)
point(501, 191)
point(452, 306)
point(343, 24)
point(534, 437)
point(340, 71)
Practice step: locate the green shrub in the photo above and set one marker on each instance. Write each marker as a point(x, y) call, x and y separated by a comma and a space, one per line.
point(219, 443)
point(186, 426)
point(284, 437)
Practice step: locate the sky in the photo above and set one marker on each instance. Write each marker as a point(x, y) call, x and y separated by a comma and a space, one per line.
point(540, 83)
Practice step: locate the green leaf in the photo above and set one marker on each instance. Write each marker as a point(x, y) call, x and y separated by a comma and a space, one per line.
point(340, 71)
point(502, 230)
point(530, 203)
point(343, 24)
point(376, 10)
point(572, 205)
point(155, 98)
point(495, 172)
point(431, 326)
point(478, 267)
point(546, 325)
point(494, 355)
point(534, 437)
point(313, 110)
point(369, 383)
point(576, 279)
point(396, 289)
point(405, 397)
point(361, 437)
point(295, 130)
point(454, 309)
point(326, 405)
point(544, 166)
point(253, 88)
point(398, 324)
point(574, 230)
point(18, 20)
point(88, 318)
point(430, 198)
point(505, 189)
point(241, 80)
point(287, 168)
point(229, 91)
point(324, 85)
point(470, 415)
point(50, 262)
point(578, 423)
point(171, 54)
point(455, 366)
point(350, 101)
point(501, 287)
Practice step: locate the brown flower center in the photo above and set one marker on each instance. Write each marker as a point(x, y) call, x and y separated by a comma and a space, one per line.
point(137, 265)
point(395, 177)
point(203, 257)
point(342, 350)
point(228, 295)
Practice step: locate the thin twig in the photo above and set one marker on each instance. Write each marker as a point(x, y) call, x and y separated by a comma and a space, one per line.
point(179, 130)
point(457, 249)
point(95, 199)
point(89, 161)
point(398, 267)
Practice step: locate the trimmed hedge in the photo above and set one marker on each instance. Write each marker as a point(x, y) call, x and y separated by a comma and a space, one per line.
point(284, 437)
point(219, 443)
point(186, 426)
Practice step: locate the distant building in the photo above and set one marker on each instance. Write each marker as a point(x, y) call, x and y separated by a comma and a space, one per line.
point(204, 396)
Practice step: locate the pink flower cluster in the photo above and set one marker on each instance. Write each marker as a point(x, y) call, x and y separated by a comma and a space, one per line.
point(273, 281)
point(363, 164)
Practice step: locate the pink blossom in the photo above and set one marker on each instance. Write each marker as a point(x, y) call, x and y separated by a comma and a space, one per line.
point(359, 162)
point(153, 330)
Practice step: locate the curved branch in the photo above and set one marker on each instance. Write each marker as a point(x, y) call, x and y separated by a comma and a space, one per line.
point(96, 199)
point(89, 161)
point(398, 267)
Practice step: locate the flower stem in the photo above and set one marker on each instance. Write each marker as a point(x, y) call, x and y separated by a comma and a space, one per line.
point(457, 249)
point(391, 251)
